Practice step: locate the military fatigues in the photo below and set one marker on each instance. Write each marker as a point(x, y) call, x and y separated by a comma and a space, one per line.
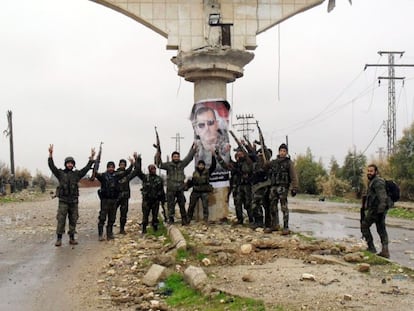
point(152, 194)
point(124, 195)
point(109, 195)
point(375, 211)
point(68, 194)
point(201, 188)
point(260, 191)
point(241, 172)
point(175, 186)
point(282, 176)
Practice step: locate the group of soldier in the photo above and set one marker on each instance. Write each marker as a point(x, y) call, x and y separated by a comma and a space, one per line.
point(258, 184)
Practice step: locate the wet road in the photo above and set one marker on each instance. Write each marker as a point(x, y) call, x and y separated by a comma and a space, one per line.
point(321, 222)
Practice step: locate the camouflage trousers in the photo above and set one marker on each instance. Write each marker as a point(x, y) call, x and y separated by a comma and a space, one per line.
point(176, 197)
point(371, 217)
point(108, 211)
point(261, 203)
point(279, 194)
point(123, 210)
point(243, 199)
point(69, 210)
point(194, 197)
point(150, 207)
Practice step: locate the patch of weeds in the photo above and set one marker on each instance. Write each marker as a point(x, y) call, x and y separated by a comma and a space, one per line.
point(375, 260)
point(162, 230)
point(400, 212)
point(201, 256)
point(306, 238)
point(180, 295)
point(182, 254)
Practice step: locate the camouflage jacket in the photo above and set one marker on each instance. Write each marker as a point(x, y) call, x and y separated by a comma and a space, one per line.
point(377, 198)
point(68, 189)
point(282, 173)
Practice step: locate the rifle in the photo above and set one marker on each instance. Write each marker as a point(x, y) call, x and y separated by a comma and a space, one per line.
point(362, 210)
point(249, 146)
point(157, 146)
point(241, 146)
point(96, 163)
point(261, 138)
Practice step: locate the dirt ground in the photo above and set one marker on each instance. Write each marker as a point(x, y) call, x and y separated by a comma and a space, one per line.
point(288, 271)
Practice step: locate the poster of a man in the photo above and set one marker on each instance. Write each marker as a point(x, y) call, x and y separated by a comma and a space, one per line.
point(210, 119)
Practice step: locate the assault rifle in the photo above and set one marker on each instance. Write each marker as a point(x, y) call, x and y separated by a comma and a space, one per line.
point(241, 146)
point(362, 210)
point(157, 145)
point(249, 146)
point(262, 144)
point(96, 163)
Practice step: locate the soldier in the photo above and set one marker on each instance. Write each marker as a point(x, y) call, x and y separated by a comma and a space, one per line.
point(241, 171)
point(282, 177)
point(109, 195)
point(261, 190)
point(152, 194)
point(375, 210)
point(175, 182)
point(201, 188)
point(124, 194)
point(68, 194)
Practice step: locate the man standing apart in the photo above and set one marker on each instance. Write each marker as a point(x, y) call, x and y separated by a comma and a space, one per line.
point(282, 177)
point(68, 194)
point(375, 210)
point(175, 182)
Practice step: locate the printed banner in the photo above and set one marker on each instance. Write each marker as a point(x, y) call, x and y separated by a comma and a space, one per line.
point(210, 120)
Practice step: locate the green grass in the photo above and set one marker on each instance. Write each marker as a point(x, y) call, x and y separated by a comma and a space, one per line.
point(375, 260)
point(180, 295)
point(399, 212)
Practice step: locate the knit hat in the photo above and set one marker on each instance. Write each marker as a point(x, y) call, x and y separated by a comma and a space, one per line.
point(283, 146)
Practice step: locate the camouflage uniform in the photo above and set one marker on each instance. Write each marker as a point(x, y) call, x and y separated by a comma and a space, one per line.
point(109, 195)
point(68, 194)
point(201, 188)
point(375, 211)
point(152, 194)
point(175, 185)
point(241, 172)
point(282, 176)
point(124, 195)
point(260, 190)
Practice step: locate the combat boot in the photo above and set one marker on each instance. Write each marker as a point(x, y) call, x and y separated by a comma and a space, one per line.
point(371, 247)
point(285, 230)
point(72, 240)
point(384, 252)
point(268, 230)
point(122, 228)
point(171, 220)
point(100, 233)
point(59, 240)
point(155, 227)
point(109, 233)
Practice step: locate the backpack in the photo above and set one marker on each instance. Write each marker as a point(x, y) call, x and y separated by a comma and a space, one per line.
point(393, 190)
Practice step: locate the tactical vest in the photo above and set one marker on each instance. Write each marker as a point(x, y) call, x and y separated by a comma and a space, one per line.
point(68, 186)
point(279, 172)
point(201, 181)
point(152, 188)
point(110, 186)
point(175, 180)
point(243, 173)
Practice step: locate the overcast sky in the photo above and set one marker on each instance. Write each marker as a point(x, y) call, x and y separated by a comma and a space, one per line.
point(75, 73)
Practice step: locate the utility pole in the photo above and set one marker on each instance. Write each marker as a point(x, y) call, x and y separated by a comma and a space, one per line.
point(245, 124)
point(391, 122)
point(9, 133)
point(177, 138)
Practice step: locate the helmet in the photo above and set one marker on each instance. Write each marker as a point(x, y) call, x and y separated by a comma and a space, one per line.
point(70, 159)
